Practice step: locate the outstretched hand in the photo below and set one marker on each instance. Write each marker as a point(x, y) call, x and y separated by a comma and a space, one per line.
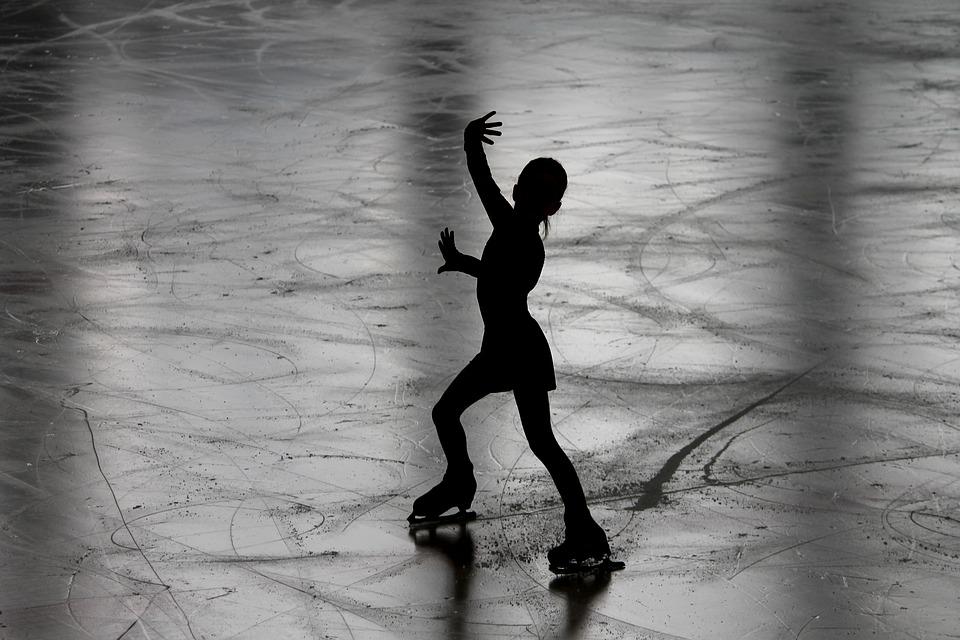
point(448, 249)
point(478, 130)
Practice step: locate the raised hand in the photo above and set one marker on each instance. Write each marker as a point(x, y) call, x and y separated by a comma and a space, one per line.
point(478, 130)
point(448, 248)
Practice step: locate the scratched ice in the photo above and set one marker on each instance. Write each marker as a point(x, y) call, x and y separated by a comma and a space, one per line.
point(222, 330)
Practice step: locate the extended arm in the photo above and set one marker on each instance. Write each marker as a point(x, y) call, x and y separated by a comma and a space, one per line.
point(470, 265)
point(474, 136)
point(453, 259)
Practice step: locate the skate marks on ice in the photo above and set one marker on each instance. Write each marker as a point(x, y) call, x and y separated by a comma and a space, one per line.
point(194, 396)
point(653, 492)
point(788, 505)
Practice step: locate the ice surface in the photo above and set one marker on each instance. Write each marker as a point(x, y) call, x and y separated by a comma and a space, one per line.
point(223, 332)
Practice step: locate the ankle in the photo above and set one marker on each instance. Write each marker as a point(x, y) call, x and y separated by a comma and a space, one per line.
point(459, 472)
point(577, 518)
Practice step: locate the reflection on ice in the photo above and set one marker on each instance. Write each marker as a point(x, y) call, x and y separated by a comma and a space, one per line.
point(222, 330)
point(455, 544)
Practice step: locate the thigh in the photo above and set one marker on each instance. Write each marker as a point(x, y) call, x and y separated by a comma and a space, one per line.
point(471, 384)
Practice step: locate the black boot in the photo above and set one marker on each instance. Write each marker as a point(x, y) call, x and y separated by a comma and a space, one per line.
point(585, 546)
point(456, 489)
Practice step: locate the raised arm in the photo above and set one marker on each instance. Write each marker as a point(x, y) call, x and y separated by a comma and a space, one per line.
point(474, 136)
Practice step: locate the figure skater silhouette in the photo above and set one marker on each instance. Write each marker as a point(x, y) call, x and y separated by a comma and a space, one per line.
point(514, 354)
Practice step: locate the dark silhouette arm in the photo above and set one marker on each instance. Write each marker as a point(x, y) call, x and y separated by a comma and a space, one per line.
point(470, 265)
point(474, 136)
point(453, 259)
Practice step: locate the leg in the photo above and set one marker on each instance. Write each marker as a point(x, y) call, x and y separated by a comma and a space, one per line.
point(468, 387)
point(534, 407)
point(458, 486)
point(585, 544)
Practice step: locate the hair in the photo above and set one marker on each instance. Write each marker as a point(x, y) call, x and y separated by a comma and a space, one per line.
point(550, 182)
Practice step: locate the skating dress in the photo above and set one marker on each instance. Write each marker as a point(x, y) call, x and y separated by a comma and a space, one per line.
point(514, 351)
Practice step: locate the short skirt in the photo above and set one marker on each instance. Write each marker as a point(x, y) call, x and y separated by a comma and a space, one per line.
point(516, 357)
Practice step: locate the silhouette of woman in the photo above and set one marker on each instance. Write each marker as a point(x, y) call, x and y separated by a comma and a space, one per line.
point(514, 355)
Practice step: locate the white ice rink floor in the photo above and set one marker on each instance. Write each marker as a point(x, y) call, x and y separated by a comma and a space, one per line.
point(222, 330)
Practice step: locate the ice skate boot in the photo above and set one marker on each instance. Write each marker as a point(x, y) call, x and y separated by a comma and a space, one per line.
point(584, 550)
point(454, 491)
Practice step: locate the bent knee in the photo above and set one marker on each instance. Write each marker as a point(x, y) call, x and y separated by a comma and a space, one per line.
point(445, 411)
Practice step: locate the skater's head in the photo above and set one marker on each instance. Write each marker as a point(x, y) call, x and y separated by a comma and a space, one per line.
point(539, 189)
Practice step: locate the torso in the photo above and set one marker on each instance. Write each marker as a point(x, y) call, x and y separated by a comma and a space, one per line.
point(511, 264)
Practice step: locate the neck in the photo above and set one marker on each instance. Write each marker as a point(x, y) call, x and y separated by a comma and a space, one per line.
point(528, 216)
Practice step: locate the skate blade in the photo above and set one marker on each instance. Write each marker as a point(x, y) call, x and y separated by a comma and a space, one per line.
point(420, 522)
point(581, 568)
